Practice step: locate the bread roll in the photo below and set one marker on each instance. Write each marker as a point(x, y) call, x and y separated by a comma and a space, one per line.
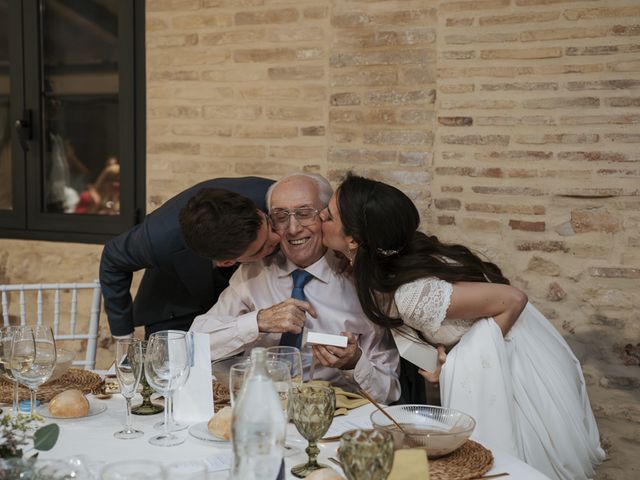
point(220, 424)
point(69, 404)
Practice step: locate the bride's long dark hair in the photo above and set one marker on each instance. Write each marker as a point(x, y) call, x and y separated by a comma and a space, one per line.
point(391, 250)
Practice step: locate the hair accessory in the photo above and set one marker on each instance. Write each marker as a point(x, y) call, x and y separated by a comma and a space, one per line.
point(387, 253)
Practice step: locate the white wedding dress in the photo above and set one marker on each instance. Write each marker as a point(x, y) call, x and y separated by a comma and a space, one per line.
point(526, 391)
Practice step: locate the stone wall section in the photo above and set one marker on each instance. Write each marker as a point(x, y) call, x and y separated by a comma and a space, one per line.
point(513, 124)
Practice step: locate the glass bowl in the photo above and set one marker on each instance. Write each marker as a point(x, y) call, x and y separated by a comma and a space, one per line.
point(438, 430)
point(64, 359)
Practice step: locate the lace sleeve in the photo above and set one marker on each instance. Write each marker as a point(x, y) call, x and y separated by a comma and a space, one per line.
point(423, 304)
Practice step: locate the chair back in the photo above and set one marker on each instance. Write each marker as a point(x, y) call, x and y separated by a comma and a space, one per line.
point(64, 297)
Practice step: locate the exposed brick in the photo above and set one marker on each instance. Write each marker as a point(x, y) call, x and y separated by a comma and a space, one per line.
point(482, 224)
point(562, 102)
point(518, 18)
point(479, 104)
point(265, 132)
point(160, 41)
point(626, 84)
point(192, 22)
point(602, 50)
point(597, 192)
point(290, 34)
point(385, 38)
point(528, 191)
point(526, 120)
point(182, 148)
point(471, 172)
point(521, 54)
point(282, 15)
point(316, 13)
point(471, 5)
point(415, 57)
point(599, 13)
point(296, 152)
point(296, 73)
point(362, 156)
point(624, 66)
point(459, 22)
point(345, 116)
point(447, 203)
point(398, 137)
point(520, 155)
point(415, 159)
point(232, 37)
point(347, 98)
point(198, 130)
point(593, 220)
point(234, 151)
point(180, 75)
point(418, 75)
point(623, 102)
point(293, 113)
point(175, 112)
point(377, 77)
point(527, 226)
point(600, 120)
point(173, 5)
point(494, 37)
point(458, 88)
point(563, 34)
point(596, 157)
point(622, 137)
point(455, 121)
point(505, 208)
point(542, 246)
point(625, 30)
point(397, 97)
point(317, 131)
point(264, 55)
point(475, 139)
point(458, 54)
point(615, 272)
point(520, 86)
point(561, 138)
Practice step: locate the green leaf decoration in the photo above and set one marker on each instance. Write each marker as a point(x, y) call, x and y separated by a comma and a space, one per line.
point(46, 437)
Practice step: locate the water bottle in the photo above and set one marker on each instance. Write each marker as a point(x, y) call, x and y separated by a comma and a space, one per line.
point(258, 425)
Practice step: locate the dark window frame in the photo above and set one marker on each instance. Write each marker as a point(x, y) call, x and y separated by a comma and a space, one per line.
point(27, 220)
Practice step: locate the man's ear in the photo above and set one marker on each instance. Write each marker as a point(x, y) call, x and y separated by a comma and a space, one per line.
point(225, 263)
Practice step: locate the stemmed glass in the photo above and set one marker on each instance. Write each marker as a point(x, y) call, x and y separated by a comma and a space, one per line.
point(6, 339)
point(293, 358)
point(128, 371)
point(171, 424)
point(311, 409)
point(33, 358)
point(278, 371)
point(166, 367)
point(366, 454)
point(147, 407)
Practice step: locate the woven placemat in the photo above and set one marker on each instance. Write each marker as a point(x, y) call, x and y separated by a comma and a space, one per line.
point(471, 460)
point(221, 396)
point(88, 382)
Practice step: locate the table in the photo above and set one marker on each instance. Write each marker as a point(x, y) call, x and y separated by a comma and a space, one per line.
point(93, 438)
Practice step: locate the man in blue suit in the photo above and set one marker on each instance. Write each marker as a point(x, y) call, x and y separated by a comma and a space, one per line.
point(188, 248)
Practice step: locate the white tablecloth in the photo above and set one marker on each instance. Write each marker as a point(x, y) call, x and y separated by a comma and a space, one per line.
point(93, 438)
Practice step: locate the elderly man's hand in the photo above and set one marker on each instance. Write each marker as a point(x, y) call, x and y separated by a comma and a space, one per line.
point(287, 316)
point(336, 357)
point(434, 377)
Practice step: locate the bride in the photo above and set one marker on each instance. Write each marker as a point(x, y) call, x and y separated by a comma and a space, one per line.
point(507, 365)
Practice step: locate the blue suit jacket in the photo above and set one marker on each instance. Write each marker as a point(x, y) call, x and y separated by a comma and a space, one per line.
point(177, 284)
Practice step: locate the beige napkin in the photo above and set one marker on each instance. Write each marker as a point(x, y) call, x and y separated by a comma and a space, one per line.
point(409, 464)
point(345, 401)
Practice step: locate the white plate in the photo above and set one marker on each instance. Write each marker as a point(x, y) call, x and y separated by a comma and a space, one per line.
point(94, 409)
point(201, 432)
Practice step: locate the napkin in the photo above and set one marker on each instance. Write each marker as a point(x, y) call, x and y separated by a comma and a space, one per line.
point(194, 401)
point(409, 464)
point(344, 400)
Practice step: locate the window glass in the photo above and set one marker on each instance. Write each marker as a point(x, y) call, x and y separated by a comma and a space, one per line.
point(80, 107)
point(5, 124)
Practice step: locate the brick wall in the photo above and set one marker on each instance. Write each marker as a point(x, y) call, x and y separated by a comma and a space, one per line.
point(514, 125)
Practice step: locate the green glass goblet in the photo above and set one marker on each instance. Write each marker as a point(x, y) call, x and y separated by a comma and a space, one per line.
point(147, 407)
point(366, 454)
point(311, 409)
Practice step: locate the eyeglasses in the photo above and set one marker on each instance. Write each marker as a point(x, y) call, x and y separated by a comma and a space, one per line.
point(304, 216)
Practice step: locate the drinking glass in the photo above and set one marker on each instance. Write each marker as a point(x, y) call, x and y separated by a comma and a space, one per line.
point(33, 358)
point(311, 409)
point(128, 370)
point(278, 371)
point(166, 366)
point(133, 470)
point(292, 357)
point(6, 339)
point(366, 454)
point(172, 424)
point(147, 407)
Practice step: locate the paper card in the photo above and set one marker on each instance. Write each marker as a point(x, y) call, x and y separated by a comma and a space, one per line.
point(194, 401)
point(414, 350)
point(325, 339)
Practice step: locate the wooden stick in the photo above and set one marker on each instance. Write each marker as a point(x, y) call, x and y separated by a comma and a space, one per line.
point(495, 475)
point(377, 405)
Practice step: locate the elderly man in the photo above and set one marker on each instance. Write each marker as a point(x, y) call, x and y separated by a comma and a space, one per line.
point(257, 309)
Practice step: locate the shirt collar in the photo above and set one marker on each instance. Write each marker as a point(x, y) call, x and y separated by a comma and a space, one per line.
point(322, 269)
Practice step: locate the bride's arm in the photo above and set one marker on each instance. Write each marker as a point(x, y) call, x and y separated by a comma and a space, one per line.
point(471, 300)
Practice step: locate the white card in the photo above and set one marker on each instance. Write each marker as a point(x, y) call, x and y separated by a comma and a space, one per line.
point(194, 401)
point(325, 339)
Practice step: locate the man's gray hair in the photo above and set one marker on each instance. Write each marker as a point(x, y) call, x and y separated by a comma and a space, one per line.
point(325, 190)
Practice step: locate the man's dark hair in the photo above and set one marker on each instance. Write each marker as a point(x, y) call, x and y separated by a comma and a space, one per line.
point(219, 224)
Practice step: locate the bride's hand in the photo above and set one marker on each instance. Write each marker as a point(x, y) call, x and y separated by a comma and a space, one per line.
point(434, 377)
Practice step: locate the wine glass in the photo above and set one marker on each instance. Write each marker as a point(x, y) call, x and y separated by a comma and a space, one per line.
point(166, 366)
point(147, 407)
point(293, 358)
point(278, 371)
point(128, 370)
point(366, 454)
point(172, 424)
point(311, 409)
point(33, 358)
point(6, 339)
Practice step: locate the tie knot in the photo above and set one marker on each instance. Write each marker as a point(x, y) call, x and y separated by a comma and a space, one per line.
point(300, 278)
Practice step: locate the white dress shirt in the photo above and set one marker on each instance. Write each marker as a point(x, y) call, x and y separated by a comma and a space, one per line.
point(233, 326)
